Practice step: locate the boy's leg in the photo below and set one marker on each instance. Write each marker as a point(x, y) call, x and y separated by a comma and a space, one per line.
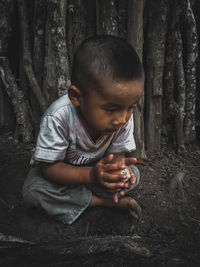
point(102, 198)
point(125, 203)
point(64, 203)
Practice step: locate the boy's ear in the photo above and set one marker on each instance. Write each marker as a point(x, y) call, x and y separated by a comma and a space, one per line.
point(74, 95)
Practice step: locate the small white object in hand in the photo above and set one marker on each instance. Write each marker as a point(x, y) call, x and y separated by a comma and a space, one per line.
point(127, 173)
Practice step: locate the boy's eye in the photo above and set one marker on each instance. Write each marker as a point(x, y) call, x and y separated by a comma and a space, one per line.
point(131, 107)
point(111, 109)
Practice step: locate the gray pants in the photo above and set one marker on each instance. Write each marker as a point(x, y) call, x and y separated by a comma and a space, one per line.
point(64, 203)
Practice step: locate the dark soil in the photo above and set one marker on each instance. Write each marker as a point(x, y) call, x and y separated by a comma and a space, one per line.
point(167, 233)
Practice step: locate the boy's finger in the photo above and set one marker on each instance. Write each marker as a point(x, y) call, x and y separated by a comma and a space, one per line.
point(115, 197)
point(114, 178)
point(108, 158)
point(114, 167)
point(114, 186)
point(133, 179)
point(138, 209)
point(130, 161)
point(122, 193)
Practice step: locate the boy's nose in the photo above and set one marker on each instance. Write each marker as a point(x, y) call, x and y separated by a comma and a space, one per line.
point(120, 120)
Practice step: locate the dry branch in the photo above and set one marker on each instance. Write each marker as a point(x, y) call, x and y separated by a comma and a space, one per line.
point(96, 245)
point(176, 184)
point(17, 99)
point(79, 248)
point(27, 58)
point(11, 238)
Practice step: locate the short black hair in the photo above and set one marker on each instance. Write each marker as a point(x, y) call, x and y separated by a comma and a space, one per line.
point(105, 56)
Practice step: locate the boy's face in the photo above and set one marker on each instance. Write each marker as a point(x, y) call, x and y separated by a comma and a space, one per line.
point(103, 112)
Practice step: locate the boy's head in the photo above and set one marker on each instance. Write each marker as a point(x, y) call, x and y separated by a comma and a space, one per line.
point(103, 57)
point(107, 79)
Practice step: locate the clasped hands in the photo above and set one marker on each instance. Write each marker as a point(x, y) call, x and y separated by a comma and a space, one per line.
point(102, 175)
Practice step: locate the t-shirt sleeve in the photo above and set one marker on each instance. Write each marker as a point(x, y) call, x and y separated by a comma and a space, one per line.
point(123, 140)
point(52, 140)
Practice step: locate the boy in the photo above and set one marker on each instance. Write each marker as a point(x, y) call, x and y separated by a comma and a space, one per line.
point(84, 135)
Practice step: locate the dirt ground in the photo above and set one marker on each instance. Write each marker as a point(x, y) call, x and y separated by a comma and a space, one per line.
point(167, 233)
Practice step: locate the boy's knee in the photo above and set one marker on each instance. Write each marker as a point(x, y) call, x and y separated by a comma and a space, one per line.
point(30, 197)
point(136, 171)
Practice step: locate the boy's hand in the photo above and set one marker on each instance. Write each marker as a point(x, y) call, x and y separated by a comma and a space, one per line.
point(102, 172)
point(125, 161)
point(131, 180)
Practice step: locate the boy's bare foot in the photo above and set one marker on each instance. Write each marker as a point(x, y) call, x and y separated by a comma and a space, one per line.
point(129, 204)
point(126, 203)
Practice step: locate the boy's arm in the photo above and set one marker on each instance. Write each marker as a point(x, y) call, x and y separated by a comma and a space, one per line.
point(100, 174)
point(64, 173)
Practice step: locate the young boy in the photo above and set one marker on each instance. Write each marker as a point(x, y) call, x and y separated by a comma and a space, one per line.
point(85, 135)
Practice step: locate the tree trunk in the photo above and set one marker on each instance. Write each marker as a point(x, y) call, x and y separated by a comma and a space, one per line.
point(173, 108)
point(8, 80)
point(7, 116)
point(2, 117)
point(122, 8)
point(135, 38)
point(91, 18)
point(5, 31)
point(76, 26)
point(40, 14)
point(197, 15)
point(180, 75)
point(17, 99)
point(51, 30)
point(107, 17)
point(27, 58)
point(38, 54)
point(189, 33)
point(154, 65)
point(57, 75)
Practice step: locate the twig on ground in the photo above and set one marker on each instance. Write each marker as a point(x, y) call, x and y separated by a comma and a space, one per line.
point(10, 238)
point(5, 203)
point(176, 184)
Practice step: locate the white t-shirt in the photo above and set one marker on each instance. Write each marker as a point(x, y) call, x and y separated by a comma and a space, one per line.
point(63, 138)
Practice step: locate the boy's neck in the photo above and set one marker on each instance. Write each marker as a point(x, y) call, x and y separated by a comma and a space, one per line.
point(93, 136)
